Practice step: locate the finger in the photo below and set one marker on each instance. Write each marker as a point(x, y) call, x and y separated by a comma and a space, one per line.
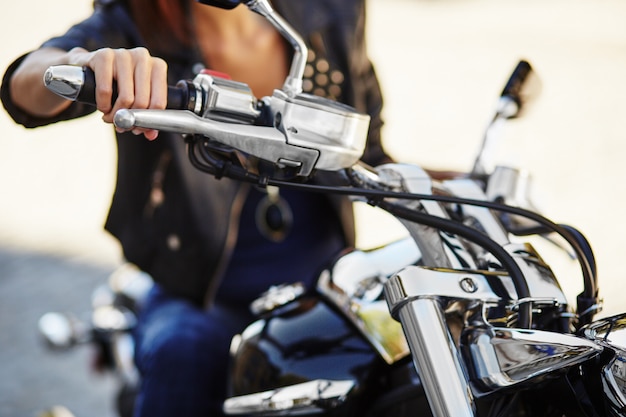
point(158, 80)
point(150, 134)
point(79, 56)
point(101, 62)
point(123, 74)
point(155, 77)
point(143, 64)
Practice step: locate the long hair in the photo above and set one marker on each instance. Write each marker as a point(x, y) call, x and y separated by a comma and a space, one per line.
point(163, 24)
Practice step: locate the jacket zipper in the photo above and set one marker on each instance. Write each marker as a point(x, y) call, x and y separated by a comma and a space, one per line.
point(229, 244)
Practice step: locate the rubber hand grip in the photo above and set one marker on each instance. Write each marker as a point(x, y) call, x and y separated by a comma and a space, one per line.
point(177, 97)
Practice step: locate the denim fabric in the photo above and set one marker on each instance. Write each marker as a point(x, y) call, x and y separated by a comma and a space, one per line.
point(182, 354)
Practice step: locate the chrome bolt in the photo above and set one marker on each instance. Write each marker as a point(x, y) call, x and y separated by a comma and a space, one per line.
point(468, 285)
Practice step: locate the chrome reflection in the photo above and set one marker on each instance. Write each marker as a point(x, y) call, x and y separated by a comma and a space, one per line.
point(277, 296)
point(611, 333)
point(308, 397)
point(492, 357)
point(62, 331)
point(355, 285)
point(501, 357)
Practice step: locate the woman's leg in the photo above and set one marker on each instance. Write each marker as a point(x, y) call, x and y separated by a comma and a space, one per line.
point(182, 355)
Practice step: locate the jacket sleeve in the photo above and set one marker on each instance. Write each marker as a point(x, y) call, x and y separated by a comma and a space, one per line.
point(109, 25)
point(368, 89)
point(26, 119)
point(336, 29)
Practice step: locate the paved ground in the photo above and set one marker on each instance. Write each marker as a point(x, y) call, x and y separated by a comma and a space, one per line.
point(34, 378)
point(442, 63)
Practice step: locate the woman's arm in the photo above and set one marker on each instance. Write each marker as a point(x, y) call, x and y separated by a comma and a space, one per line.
point(141, 81)
point(27, 88)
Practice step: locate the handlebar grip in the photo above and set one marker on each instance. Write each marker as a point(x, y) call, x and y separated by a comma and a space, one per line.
point(177, 96)
point(79, 84)
point(513, 87)
point(511, 100)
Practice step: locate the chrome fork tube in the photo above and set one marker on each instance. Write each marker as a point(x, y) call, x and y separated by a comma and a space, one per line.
point(436, 358)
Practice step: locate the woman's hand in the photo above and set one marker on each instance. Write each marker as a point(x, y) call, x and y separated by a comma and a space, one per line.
point(141, 80)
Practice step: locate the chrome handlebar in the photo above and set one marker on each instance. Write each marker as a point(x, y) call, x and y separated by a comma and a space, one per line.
point(304, 132)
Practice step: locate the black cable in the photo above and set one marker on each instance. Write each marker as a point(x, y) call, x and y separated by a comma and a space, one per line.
point(195, 162)
point(574, 238)
point(508, 263)
point(576, 234)
point(479, 238)
point(584, 256)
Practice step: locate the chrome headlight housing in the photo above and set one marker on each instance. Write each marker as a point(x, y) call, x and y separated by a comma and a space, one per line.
point(611, 334)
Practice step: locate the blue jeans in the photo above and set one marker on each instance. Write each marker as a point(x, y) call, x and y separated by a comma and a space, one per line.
point(182, 354)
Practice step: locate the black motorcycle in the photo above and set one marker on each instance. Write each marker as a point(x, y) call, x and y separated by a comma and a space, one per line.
point(463, 317)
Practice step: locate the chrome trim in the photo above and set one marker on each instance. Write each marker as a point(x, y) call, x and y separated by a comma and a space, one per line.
point(611, 333)
point(65, 80)
point(308, 397)
point(263, 142)
point(415, 282)
point(425, 299)
point(293, 83)
point(123, 349)
point(310, 136)
point(337, 131)
point(614, 382)
point(231, 99)
point(510, 184)
point(416, 297)
point(501, 357)
point(540, 278)
point(434, 245)
point(277, 296)
point(467, 188)
point(437, 359)
point(112, 318)
point(62, 331)
point(354, 285)
point(130, 281)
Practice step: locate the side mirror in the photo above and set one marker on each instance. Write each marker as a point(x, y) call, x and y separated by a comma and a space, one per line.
point(224, 4)
point(522, 85)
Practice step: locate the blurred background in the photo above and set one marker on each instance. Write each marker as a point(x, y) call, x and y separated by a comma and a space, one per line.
point(442, 65)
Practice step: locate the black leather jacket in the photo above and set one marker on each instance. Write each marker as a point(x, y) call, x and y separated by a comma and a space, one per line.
point(186, 240)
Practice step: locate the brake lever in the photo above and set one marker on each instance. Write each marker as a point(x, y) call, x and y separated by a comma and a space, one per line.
point(263, 142)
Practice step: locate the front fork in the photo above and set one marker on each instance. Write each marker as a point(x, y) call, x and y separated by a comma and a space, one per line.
point(426, 300)
point(436, 358)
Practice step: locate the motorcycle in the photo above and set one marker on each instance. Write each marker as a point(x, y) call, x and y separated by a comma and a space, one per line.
point(107, 329)
point(463, 317)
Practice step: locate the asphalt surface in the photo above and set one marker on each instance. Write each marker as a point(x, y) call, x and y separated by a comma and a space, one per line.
point(34, 378)
point(441, 64)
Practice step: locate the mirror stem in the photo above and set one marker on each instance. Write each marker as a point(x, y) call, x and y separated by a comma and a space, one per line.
point(293, 83)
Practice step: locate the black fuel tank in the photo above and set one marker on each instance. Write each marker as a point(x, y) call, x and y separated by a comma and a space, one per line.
point(306, 340)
